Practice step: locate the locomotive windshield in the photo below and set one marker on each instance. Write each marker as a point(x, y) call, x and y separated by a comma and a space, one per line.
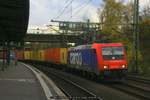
point(112, 53)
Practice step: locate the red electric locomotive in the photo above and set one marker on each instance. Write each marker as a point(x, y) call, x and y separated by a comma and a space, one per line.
point(111, 58)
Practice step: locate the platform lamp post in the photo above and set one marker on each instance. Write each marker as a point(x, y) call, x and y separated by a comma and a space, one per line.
point(136, 36)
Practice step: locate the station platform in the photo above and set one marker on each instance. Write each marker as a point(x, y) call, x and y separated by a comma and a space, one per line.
point(23, 82)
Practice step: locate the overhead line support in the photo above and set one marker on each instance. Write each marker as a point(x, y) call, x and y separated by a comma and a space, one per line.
point(136, 36)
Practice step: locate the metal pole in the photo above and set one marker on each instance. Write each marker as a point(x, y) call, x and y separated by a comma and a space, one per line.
point(88, 31)
point(136, 35)
point(138, 40)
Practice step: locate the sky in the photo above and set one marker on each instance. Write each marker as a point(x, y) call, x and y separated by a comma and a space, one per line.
point(42, 11)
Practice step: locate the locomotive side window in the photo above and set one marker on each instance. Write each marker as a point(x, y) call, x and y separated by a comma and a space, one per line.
point(112, 53)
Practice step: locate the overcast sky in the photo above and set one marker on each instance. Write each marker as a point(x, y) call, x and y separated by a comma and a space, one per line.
point(42, 11)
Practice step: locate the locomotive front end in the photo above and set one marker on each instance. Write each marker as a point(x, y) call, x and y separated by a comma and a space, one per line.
point(112, 60)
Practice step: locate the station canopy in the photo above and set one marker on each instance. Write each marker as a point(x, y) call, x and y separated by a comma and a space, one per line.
point(14, 15)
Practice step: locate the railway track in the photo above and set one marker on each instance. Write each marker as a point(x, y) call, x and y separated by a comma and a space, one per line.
point(136, 86)
point(74, 90)
point(131, 90)
point(139, 79)
point(71, 89)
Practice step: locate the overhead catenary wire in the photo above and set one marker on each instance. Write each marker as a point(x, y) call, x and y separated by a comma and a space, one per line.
point(62, 12)
point(66, 1)
point(80, 7)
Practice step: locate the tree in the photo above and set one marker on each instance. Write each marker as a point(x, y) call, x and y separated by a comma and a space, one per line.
point(112, 18)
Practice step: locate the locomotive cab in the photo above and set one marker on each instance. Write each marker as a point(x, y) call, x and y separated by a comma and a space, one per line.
point(111, 59)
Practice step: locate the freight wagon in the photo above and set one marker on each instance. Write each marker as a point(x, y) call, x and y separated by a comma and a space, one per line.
point(56, 55)
point(20, 54)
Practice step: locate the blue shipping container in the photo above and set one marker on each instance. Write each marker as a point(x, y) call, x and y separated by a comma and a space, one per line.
point(85, 58)
point(89, 58)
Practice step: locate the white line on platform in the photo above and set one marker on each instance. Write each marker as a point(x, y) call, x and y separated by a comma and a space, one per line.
point(42, 82)
point(18, 80)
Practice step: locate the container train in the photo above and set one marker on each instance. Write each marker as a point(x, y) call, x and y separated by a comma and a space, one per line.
point(101, 59)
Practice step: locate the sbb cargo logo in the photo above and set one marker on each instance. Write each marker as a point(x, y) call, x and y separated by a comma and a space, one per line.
point(76, 58)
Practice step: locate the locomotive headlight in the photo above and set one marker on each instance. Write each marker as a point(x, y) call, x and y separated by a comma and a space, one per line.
point(123, 66)
point(105, 67)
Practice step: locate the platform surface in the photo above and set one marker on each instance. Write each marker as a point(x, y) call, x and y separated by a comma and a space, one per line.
point(19, 83)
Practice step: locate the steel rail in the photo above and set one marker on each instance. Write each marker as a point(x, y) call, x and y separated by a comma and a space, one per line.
point(89, 95)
